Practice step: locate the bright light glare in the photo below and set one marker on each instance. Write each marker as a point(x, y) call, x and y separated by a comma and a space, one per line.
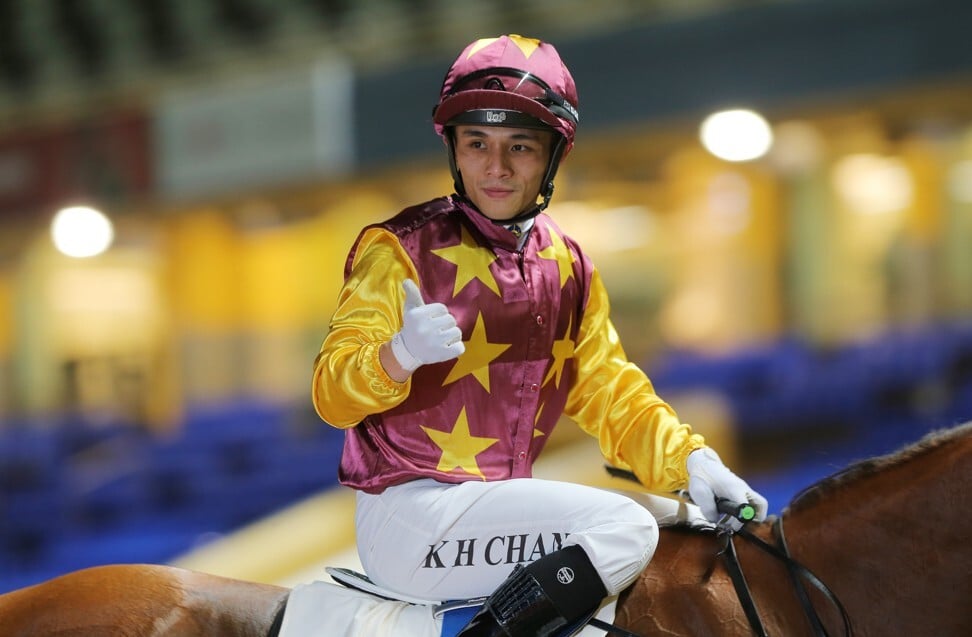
point(736, 135)
point(872, 184)
point(81, 232)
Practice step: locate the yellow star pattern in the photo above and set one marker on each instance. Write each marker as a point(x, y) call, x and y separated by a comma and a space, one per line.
point(459, 447)
point(527, 45)
point(472, 262)
point(536, 432)
point(477, 357)
point(563, 350)
point(557, 251)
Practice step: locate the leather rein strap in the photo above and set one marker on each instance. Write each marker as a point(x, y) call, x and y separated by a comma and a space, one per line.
point(799, 574)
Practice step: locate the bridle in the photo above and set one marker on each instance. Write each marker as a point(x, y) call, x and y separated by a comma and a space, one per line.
point(799, 575)
point(733, 522)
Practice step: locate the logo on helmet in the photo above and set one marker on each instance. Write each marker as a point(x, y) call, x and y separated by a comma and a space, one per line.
point(495, 117)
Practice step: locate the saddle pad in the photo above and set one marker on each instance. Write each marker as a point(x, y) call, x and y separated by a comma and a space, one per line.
point(454, 615)
point(324, 609)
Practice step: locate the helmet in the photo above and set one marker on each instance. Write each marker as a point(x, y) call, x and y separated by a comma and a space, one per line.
point(510, 81)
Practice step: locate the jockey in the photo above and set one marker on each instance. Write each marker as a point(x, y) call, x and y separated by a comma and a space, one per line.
point(466, 327)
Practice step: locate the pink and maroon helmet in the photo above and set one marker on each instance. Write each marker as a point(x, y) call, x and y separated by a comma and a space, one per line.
point(510, 81)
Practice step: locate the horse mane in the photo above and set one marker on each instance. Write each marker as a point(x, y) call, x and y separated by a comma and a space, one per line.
point(863, 468)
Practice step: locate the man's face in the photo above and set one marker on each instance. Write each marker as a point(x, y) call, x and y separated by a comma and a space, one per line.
point(501, 167)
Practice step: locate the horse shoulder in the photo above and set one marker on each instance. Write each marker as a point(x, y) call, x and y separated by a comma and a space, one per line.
point(673, 591)
point(686, 590)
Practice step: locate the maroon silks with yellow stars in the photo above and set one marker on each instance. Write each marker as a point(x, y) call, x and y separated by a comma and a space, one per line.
point(487, 414)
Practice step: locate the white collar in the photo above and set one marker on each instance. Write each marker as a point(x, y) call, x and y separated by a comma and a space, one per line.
point(522, 230)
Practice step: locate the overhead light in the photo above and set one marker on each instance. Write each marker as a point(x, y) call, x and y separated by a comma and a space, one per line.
point(82, 232)
point(736, 135)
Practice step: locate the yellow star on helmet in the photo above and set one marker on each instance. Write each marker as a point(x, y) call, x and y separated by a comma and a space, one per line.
point(558, 251)
point(477, 357)
point(459, 447)
point(471, 261)
point(526, 45)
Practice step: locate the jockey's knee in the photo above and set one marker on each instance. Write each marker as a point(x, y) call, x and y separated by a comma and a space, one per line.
point(622, 544)
point(642, 540)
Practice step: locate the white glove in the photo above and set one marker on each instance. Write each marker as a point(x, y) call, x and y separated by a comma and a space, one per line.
point(709, 480)
point(429, 332)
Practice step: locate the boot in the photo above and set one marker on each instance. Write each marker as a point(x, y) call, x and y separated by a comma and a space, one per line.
point(543, 599)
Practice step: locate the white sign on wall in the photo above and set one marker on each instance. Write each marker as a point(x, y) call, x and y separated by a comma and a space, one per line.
point(256, 131)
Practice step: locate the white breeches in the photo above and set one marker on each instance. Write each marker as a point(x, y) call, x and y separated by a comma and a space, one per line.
point(443, 541)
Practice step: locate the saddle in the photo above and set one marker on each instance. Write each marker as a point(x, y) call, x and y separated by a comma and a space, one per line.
point(455, 614)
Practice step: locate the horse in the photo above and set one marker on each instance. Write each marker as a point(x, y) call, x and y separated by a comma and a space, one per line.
point(888, 535)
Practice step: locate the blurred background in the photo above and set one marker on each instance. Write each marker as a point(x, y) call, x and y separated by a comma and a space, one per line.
point(778, 194)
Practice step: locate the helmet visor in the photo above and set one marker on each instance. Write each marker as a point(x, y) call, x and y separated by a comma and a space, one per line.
point(517, 82)
point(510, 89)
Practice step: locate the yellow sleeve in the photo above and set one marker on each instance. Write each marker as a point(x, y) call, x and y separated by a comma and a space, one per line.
point(349, 382)
point(613, 400)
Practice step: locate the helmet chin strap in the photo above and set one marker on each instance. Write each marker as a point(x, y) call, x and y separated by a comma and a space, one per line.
point(529, 213)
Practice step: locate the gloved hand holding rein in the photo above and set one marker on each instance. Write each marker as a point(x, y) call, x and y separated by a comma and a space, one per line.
point(710, 481)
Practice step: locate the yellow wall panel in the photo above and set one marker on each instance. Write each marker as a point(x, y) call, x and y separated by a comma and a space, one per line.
point(270, 279)
point(203, 271)
point(6, 314)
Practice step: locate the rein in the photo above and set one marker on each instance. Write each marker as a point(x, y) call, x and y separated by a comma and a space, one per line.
point(278, 619)
point(799, 574)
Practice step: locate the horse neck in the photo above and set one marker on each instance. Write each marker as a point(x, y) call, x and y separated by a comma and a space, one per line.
point(897, 533)
point(925, 490)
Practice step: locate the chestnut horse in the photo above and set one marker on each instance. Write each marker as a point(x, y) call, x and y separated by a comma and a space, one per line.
point(889, 536)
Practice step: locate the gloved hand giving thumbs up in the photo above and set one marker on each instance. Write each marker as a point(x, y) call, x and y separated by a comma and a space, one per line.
point(429, 332)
